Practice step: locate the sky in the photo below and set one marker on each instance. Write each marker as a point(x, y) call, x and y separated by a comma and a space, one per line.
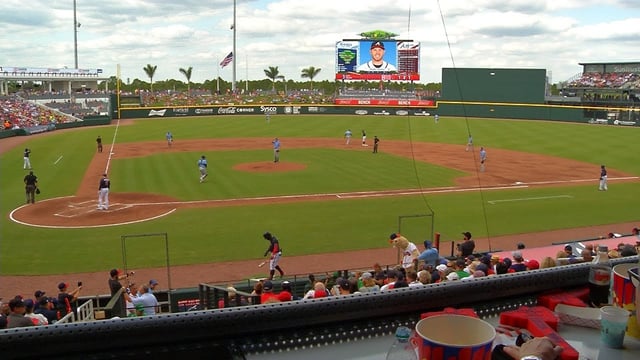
point(555, 35)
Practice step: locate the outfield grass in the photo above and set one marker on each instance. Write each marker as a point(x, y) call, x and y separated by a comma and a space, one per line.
point(218, 234)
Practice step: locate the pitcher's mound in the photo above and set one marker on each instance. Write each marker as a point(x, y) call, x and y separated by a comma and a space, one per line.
point(266, 166)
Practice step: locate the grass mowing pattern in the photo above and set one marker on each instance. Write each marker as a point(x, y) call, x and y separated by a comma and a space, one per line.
point(196, 235)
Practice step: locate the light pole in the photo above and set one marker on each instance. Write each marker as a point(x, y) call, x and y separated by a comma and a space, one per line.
point(76, 25)
point(235, 54)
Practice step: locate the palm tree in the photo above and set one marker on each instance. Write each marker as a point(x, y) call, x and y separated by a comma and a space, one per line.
point(273, 73)
point(310, 73)
point(150, 70)
point(187, 74)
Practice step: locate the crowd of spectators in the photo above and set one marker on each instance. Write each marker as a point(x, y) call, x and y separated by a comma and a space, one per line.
point(607, 80)
point(42, 310)
point(430, 267)
point(16, 113)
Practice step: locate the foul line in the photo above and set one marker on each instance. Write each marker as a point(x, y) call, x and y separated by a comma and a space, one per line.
point(350, 195)
point(493, 202)
point(56, 162)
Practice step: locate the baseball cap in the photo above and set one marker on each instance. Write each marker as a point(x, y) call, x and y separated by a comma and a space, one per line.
point(533, 264)
point(441, 267)
point(517, 255)
point(62, 286)
point(39, 293)
point(28, 303)
point(427, 244)
point(467, 234)
point(393, 236)
point(113, 272)
point(366, 275)
point(453, 276)
point(153, 282)
point(267, 285)
point(377, 44)
point(16, 302)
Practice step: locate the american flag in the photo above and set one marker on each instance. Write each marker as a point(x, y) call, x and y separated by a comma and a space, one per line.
point(227, 59)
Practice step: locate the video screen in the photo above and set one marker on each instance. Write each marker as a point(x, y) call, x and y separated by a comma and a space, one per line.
point(377, 60)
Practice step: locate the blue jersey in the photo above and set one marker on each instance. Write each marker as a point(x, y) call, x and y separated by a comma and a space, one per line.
point(276, 144)
point(202, 163)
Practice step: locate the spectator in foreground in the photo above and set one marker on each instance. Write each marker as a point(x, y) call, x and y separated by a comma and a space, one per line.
point(368, 283)
point(286, 294)
point(548, 262)
point(146, 300)
point(16, 316)
point(518, 264)
point(467, 246)
point(67, 300)
point(37, 319)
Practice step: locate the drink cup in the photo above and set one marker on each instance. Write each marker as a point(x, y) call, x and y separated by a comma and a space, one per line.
point(624, 295)
point(613, 326)
point(452, 336)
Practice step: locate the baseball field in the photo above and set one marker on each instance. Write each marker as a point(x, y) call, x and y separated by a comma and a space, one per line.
point(322, 197)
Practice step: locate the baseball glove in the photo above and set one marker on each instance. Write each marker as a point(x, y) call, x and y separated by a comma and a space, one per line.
point(38, 191)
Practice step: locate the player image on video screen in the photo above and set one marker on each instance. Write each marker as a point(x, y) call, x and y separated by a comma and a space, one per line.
point(376, 62)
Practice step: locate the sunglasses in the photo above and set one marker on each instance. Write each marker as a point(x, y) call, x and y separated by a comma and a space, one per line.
point(635, 277)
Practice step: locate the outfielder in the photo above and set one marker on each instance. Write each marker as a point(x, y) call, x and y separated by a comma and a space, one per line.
point(276, 252)
point(202, 166)
point(103, 193)
point(169, 137)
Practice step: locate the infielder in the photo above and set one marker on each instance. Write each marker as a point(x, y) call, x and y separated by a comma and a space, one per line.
point(483, 158)
point(276, 150)
point(276, 252)
point(347, 135)
point(169, 137)
point(103, 193)
point(469, 142)
point(202, 166)
point(364, 138)
point(603, 178)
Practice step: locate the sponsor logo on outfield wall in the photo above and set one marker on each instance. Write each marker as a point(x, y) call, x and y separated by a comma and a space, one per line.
point(622, 122)
point(157, 112)
point(361, 112)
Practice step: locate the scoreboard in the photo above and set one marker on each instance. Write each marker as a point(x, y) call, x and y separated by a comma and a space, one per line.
point(355, 60)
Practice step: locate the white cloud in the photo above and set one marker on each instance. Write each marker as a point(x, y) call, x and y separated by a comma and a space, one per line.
point(293, 34)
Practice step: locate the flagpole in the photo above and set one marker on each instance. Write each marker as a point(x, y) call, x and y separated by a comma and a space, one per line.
point(218, 81)
point(235, 54)
point(246, 86)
